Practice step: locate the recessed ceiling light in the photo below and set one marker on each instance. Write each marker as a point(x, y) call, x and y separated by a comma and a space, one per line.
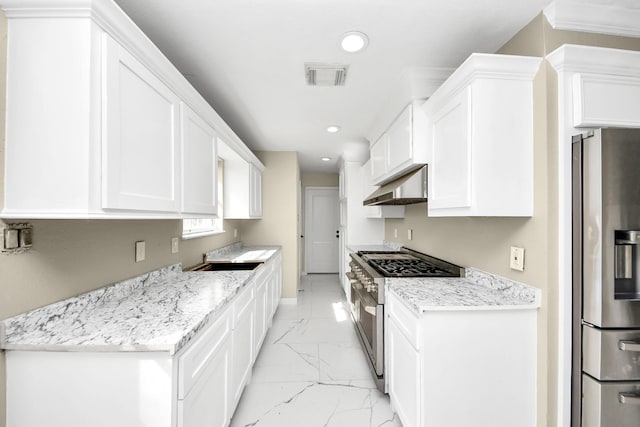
point(326, 159)
point(333, 129)
point(354, 41)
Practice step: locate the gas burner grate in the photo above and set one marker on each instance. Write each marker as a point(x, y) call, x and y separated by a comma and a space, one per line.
point(407, 267)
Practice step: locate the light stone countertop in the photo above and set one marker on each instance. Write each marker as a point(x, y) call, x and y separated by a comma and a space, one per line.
point(477, 291)
point(157, 311)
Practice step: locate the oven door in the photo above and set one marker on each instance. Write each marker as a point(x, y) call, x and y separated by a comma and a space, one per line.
point(368, 316)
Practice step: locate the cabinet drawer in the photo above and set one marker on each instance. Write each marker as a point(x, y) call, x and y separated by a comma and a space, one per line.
point(404, 319)
point(608, 404)
point(194, 360)
point(611, 354)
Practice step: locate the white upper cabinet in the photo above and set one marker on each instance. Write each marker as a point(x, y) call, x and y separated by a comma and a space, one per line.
point(140, 140)
point(200, 164)
point(100, 124)
point(602, 85)
point(402, 147)
point(480, 138)
point(242, 185)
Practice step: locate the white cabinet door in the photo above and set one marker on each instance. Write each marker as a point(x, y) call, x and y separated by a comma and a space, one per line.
point(400, 140)
point(207, 402)
point(140, 135)
point(403, 375)
point(450, 169)
point(380, 157)
point(199, 164)
point(263, 306)
point(242, 347)
point(255, 191)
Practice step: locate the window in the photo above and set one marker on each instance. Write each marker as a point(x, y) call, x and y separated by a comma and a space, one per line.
point(198, 227)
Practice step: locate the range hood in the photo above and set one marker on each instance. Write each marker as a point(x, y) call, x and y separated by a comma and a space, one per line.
point(408, 189)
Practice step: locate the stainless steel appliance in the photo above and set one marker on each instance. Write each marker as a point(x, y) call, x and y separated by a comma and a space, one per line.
point(367, 276)
point(408, 189)
point(606, 279)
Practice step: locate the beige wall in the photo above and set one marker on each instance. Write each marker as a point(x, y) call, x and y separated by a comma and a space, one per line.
point(280, 222)
point(313, 180)
point(484, 242)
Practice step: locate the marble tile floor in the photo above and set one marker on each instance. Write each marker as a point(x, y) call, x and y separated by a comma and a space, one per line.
point(311, 371)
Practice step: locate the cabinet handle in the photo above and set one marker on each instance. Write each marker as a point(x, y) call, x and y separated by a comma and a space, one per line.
point(629, 398)
point(629, 345)
point(370, 310)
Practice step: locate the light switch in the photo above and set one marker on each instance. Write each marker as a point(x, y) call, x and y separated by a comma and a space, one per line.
point(175, 245)
point(410, 234)
point(140, 251)
point(26, 237)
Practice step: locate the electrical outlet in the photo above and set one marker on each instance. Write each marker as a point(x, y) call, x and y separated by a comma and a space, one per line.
point(175, 245)
point(395, 233)
point(410, 234)
point(140, 251)
point(235, 233)
point(516, 258)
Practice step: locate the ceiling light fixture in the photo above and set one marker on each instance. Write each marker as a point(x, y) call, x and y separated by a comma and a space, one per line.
point(354, 41)
point(333, 129)
point(326, 159)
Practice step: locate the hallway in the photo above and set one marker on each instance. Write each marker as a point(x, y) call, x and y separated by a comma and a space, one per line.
point(311, 370)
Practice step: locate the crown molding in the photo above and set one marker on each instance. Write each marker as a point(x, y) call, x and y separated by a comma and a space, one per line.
point(597, 60)
point(613, 18)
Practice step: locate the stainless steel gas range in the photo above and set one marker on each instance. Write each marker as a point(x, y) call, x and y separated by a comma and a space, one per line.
point(369, 269)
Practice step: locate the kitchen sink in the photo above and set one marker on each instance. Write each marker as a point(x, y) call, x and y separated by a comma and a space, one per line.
point(227, 266)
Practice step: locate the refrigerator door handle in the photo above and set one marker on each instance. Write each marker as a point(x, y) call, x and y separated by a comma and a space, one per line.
point(629, 345)
point(629, 398)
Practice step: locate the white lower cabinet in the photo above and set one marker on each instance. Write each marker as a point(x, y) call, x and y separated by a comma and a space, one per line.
point(203, 378)
point(403, 375)
point(461, 368)
point(200, 386)
point(242, 347)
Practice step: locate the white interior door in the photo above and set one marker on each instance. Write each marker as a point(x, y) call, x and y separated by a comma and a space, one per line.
point(322, 225)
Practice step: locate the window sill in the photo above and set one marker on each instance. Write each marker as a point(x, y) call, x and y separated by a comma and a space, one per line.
point(197, 234)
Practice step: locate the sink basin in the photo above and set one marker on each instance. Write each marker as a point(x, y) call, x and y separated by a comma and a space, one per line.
point(228, 266)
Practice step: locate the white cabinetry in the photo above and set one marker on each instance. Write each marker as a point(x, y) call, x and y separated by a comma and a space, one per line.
point(140, 140)
point(198, 386)
point(355, 227)
point(243, 345)
point(402, 147)
point(460, 368)
point(200, 160)
point(242, 185)
point(480, 134)
point(203, 377)
point(94, 106)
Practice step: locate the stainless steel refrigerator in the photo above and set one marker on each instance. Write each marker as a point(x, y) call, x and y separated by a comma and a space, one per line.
point(606, 279)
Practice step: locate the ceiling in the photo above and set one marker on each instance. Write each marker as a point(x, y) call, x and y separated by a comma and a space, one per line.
point(246, 57)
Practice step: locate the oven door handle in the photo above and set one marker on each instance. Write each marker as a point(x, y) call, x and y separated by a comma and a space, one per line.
point(629, 398)
point(368, 303)
point(629, 345)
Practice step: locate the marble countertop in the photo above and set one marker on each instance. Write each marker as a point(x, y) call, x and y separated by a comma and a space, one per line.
point(477, 291)
point(158, 311)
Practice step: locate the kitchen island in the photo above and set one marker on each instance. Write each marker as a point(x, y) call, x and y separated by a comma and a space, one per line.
point(167, 348)
point(462, 351)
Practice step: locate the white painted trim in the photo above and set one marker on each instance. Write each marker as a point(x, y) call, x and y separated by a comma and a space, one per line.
point(568, 61)
point(288, 301)
point(613, 19)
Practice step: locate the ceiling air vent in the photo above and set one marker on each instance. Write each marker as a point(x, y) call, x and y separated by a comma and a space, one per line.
point(319, 74)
